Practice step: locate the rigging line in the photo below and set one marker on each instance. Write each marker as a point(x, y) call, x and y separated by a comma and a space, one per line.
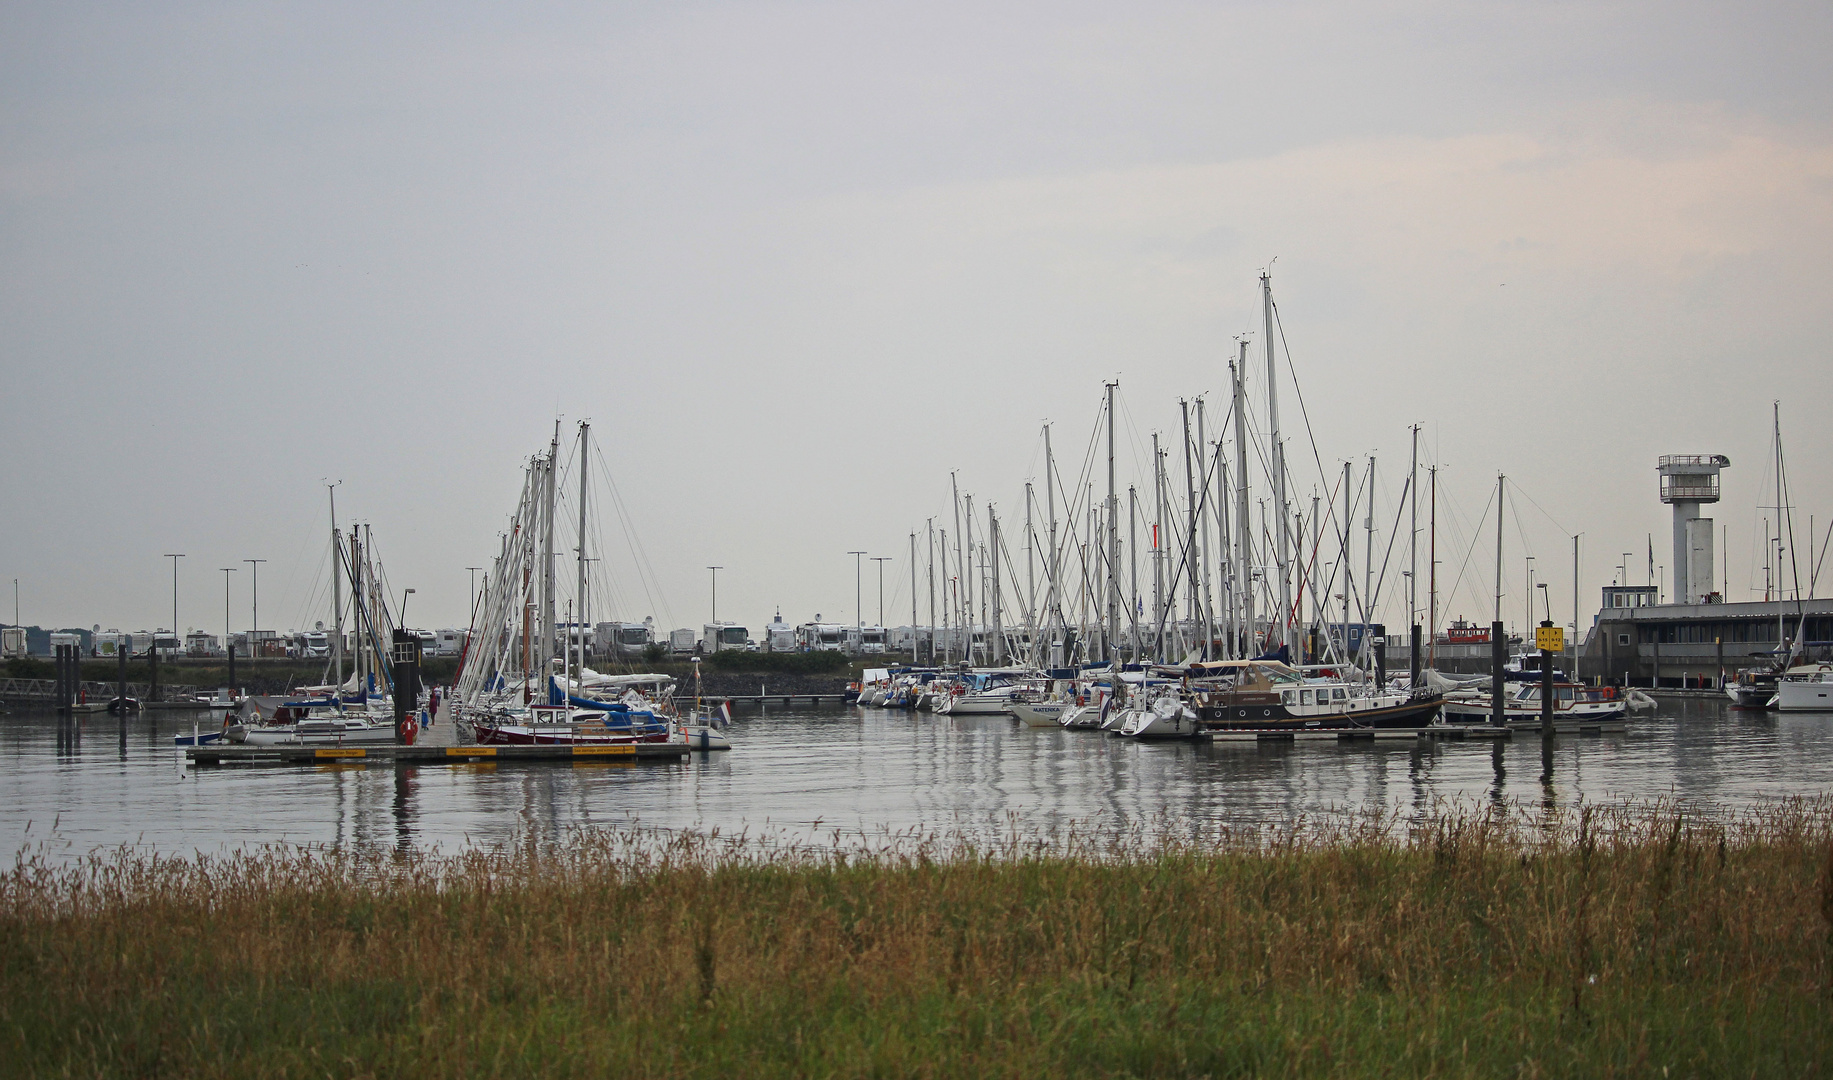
point(1522, 491)
point(1472, 549)
point(1297, 389)
point(1393, 535)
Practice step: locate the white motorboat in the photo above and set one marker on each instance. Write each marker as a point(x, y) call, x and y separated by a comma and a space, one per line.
point(323, 729)
point(1806, 688)
point(1575, 707)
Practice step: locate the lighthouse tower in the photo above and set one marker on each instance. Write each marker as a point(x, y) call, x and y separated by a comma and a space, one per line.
point(1687, 482)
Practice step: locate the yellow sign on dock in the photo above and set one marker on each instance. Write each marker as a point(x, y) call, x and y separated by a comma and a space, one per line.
point(1550, 638)
point(470, 751)
point(342, 751)
point(609, 751)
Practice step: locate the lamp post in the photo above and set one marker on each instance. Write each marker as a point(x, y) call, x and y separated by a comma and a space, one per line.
point(715, 570)
point(228, 643)
point(474, 570)
point(174, 559)
point(881, 560)
point(405, 593)
point(859, 615)
point(254, 631)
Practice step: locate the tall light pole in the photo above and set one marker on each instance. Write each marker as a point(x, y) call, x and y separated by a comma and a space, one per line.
point(405, 593)
point(228, 644)
point(881, 560)
point(715, 570)
point(15, 601)
point(255, 630)
point(474, 570)
point(174, 559)
point(859, 616)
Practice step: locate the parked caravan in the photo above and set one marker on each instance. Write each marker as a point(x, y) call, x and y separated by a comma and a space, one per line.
point(451, 642)
point(779, 636)
point(822, 637)
point(626, 638)
point(715, 637)
point(682, 641)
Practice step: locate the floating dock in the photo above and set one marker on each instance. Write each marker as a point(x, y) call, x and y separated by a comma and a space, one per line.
point(627, 753)
point(772, 699)
point(1439, 731)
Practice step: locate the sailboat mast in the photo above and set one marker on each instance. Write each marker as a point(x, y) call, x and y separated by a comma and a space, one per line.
point(548, 620)
point(913, 600)
point(1244, 533)
point(1432, 573)
point(1368, 564)
point(1208, 603)
point(1133, 562)
point(1113, 537)
point(1413, 537)
point(1050, 562)
point(337, 603)
point(1348, 573)
point(932, 590)
point(1282, 539)
point(994, 627)
point(1158, 553)
point(1501, 493)
point(1193, 604)
point(579, 624)
point(960, 562)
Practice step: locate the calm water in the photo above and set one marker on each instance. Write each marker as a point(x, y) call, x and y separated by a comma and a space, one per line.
point(858, 769)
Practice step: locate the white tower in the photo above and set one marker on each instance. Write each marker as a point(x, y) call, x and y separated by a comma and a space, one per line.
point(1687, 481)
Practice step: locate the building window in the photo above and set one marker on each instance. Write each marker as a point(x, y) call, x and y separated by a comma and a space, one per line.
point(1622, 639)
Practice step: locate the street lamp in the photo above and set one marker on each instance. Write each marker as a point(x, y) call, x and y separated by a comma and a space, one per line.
point(228, 642)
point(174, 559)
point(859, 616)
point(881, 560)
point(254, 632)
point(715, 570)
point(405, 593)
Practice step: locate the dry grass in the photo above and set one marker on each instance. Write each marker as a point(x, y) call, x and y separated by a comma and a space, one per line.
point(1625, 940)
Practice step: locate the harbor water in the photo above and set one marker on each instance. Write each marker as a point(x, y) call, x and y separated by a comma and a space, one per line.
point(101, 782)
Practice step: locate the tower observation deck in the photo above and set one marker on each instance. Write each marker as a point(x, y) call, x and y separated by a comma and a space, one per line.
point(1689, 481)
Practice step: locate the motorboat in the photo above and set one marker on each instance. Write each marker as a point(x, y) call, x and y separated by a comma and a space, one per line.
point(317, 729)
point(1754, 688)
point(1576, 707)
point(1268, 698)
point(1806, 688)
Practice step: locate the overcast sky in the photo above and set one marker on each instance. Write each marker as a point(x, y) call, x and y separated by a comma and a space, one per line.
point(797, 262)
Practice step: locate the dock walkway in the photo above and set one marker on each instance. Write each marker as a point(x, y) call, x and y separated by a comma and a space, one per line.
point(216, 754)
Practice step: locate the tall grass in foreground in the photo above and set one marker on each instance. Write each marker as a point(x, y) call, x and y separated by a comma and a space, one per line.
point(1624, 940)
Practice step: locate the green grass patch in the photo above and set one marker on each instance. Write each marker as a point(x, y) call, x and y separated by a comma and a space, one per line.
point(1626, 942)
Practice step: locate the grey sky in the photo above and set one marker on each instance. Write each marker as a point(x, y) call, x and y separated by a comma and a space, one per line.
point(798, 261)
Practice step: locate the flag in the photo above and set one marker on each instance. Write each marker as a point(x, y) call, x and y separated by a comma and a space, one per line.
point(725, 714)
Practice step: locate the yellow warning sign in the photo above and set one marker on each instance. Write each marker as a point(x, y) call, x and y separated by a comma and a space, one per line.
point(341, 751)
point(606, 751)
point(1550, 638)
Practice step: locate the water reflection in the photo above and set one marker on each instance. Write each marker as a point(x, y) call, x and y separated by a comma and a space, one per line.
point(809, 772)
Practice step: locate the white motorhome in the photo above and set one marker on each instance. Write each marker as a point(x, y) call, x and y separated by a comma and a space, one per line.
point(682, 641)
point(63, 638)
point(779, 636)
point(724, 636)
point(822, 637)
point(626, 638)
point(110, 642)
point(199, 643)
point(872, 639)
point(310, 644)
point(12, 642)
point(451, 642)
point(167, 642)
